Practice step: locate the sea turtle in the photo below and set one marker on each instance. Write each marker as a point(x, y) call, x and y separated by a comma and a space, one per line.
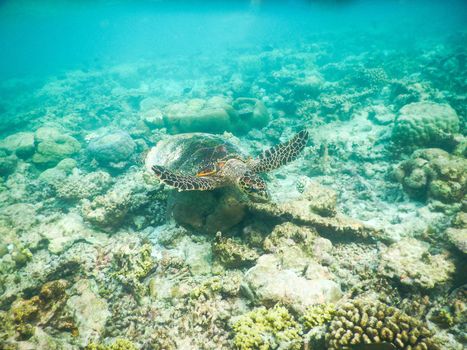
point(220, 165)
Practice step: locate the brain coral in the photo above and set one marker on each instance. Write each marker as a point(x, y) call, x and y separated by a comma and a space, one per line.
point(425, 124)
point(370, 322)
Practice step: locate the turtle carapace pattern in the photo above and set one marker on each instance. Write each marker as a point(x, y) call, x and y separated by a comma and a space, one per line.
point(232, 170)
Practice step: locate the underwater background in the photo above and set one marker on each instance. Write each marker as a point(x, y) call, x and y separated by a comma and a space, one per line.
point(363, 241)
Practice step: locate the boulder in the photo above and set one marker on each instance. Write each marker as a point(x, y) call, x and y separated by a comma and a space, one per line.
point(410, 262)
point(268, 283)
point(22, 144)
point(112, 148)
point(52, 146)
point(214, 115)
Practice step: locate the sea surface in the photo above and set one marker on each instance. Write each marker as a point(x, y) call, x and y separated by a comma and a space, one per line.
point(233, 175)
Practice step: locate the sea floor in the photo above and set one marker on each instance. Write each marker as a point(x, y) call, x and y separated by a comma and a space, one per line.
point(95, 253)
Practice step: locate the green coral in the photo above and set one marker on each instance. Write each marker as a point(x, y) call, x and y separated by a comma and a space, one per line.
point(266, 329)
point(132, 267)
point(207, 288)
point(231, 253)
point(443, 318)
point(317, 315)
point(369, 322)
point(118, 344)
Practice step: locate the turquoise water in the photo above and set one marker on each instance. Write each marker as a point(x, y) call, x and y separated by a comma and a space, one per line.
point(351, 230)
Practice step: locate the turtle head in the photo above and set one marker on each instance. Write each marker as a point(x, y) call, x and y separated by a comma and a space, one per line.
point(210, 169)
point(254, 186)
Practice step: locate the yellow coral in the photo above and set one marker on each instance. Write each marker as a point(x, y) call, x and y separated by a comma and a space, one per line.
point(317, 315)
point(266, 329)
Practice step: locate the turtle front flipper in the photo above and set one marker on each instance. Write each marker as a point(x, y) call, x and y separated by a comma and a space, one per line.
point(281, 154)
point(254, 186)
point(185, 182)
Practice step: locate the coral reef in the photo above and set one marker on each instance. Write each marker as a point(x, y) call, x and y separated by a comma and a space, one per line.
point(268, 283)
point(21, 144)
point(132, 267)
point(318, 315)
point(96, 254)
point(410, 262)
point(25, 314)
point(52, 146)
point(215, 115)
point(231, 253)
point(127, 195)
point(367, 322)
point(434, 174)
point(267, 329)
point(424, 125)
point(457, 234)
point(112, 149)
point(118, 344)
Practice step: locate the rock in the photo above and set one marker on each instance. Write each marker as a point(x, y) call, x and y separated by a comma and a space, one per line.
point(89, 310)
point(458, 237)
point(20, 216)
point(63, 232)
point(80, 186)
point(153, 118)
point(298, 211)
point(197, 115)
point(22, 144)
point(198, 256)
point(7, 163)
point(112, 148)
point(321, 200)
point(381, 115)
point(208, 212)
point(252, 113)
point(130, 193)
point(424, 125)
point(215, 115)
point(433, 174)
point(457, 234)
point(232, 253)
point(53, 146)
point(270, 284)
point(167, 235)
point(409, 262)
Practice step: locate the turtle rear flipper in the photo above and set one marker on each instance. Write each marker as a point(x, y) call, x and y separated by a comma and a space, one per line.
point(254, 186)
point(185, 182)
point(281, 154)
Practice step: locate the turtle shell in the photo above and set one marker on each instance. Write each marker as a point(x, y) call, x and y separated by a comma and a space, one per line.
point(189, 153)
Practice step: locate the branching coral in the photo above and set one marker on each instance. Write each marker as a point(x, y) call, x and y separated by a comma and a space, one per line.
point(317, 315)
point(367, 322)
point(132, 267)
point(267, 329)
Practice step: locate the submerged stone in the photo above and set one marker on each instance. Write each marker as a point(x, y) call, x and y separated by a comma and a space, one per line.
point(22, 144)
point(53, 146)
point(112, 148)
